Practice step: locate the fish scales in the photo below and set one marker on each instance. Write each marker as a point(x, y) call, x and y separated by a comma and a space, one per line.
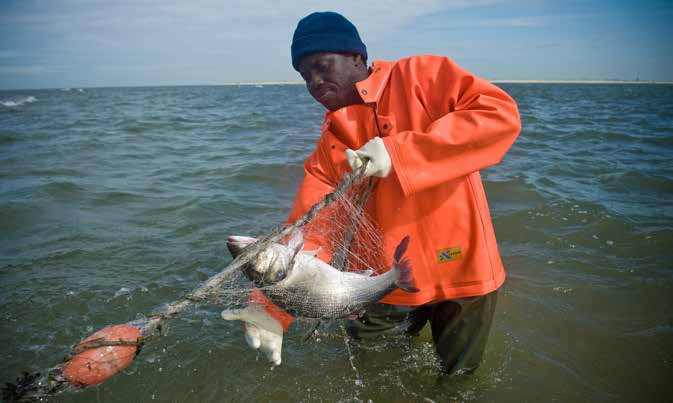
point(305, 286)
point(338, 302)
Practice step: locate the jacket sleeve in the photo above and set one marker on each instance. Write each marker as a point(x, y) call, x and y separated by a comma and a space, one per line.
point(314, 187)
point(473, 124)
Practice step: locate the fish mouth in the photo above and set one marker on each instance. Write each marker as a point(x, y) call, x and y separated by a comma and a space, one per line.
point(236, 244)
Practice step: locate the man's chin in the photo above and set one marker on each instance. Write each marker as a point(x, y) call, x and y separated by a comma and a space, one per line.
point(329, 101)
point(331, 104)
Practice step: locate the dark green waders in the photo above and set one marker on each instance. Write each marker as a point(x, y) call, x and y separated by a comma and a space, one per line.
point(459, 327)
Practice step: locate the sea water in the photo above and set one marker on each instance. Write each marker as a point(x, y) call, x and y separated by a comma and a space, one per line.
point(114, 201)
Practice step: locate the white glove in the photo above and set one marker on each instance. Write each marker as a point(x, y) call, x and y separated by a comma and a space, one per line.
point(375, 151)
point(262, 331)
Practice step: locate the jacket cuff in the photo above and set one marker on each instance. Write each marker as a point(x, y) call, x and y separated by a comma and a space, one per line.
point(282, 317)
point(398, 165)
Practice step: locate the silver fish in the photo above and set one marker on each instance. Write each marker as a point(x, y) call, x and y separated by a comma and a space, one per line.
point(303, 285)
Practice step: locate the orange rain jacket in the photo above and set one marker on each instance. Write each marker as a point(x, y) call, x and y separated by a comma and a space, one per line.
point(440, 125)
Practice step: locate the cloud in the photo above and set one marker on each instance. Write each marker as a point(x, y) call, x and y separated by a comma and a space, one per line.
point(77, 15)
point(159, 31)
point(515, 23)
point(9, 54)
point(36, 70)
point(164, 42)
point(548, 45)
point(486, 23)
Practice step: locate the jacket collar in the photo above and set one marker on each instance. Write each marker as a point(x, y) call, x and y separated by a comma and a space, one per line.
point(371, 88)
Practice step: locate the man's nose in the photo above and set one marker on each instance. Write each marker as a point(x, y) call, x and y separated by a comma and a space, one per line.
point(316, 81)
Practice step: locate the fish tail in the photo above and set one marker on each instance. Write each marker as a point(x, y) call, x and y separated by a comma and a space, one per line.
point(401, 263)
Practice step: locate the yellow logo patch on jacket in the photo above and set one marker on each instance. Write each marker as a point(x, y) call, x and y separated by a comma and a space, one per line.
point(448, 254)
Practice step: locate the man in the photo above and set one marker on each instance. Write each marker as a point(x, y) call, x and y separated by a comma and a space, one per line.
point(426, 128)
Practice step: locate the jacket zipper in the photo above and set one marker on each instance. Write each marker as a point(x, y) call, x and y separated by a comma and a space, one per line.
point(376, 120)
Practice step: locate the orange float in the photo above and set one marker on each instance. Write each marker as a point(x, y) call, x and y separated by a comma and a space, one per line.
point(95, 365)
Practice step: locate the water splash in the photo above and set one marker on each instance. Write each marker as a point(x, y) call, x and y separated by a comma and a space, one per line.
point(18, 102)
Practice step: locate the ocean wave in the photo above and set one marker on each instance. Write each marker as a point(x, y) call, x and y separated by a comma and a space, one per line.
point(8, 138)
point(114, 198)
point(18, 102)
point(637, 181)
point(61, 190)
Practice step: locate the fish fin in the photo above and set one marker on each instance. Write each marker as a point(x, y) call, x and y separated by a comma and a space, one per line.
point(405, 280)
point(296, 241)
point(367, 272)
point(312, 253)
point(401, 249)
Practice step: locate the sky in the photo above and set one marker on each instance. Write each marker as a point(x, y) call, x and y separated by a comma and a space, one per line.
point(104, 43)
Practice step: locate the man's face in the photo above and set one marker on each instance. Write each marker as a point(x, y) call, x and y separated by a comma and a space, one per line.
point(331, 77)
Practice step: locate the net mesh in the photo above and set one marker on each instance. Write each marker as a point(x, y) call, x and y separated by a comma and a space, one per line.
point(346, 235)
point(349, 240)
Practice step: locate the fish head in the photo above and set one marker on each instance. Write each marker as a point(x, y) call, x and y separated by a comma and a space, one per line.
point(236, 244)
point(267, 267)
point(270, 265)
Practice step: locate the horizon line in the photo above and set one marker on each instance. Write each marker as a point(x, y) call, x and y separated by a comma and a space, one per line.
point(296, 82)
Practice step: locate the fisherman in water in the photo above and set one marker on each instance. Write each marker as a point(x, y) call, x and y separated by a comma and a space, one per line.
point(425, 126)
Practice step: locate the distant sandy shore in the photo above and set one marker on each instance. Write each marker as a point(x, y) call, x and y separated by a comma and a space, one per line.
point(582, 81)
point(493, 81)
point(263, 83)
point(266, 83)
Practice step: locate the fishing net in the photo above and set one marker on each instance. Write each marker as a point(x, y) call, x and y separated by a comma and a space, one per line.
point(343, 233)
point(348, 238)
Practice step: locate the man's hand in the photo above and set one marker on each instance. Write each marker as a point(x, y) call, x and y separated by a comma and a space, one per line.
point(375, 152)
point(262, 331)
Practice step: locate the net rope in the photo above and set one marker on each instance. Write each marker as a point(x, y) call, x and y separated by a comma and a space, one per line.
point(349, 241)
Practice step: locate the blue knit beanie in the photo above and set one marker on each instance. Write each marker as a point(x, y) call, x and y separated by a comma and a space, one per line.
point(325, 32)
